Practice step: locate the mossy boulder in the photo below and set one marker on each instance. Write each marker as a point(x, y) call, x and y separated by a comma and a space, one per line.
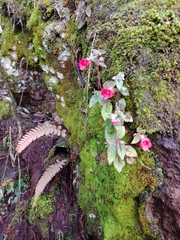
point(141, 39)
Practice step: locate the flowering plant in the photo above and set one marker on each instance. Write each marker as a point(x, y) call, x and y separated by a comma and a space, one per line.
point(114, 116)
point(84, 63)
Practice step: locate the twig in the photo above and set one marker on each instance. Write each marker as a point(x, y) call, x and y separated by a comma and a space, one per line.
point(77, 68)
point(143, 164)
point(89, 70)
point(98, 76)
point(19, 180)
point(25, 73)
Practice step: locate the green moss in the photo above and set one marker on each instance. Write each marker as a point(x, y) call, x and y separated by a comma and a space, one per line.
point(145, 224)
point(43, 207)
point(72, 112)
point(11, 39)
point(110, 195)
point(126, 227)
point(34, 19)
point(145, 48)
point(5, 108)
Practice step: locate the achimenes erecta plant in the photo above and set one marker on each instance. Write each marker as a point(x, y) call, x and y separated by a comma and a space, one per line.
point(115, 117)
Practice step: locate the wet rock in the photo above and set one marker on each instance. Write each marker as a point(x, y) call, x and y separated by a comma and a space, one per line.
point(167, 204)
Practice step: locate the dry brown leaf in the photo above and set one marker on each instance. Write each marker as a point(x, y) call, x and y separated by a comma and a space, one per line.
point(47, 176)
point(38, 132)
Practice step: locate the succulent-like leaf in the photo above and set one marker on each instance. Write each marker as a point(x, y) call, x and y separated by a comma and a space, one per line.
point(121, 149)
point(109, 84)
point(120, 131)
point(96, 97)
point(128, 117)
point(47, 176)
point(109, 134)
point(111, 153)
point(124, 91)
point(136, 139)
point(36, 133)
point(121, 104)
point(119, 84)
point(106, 111)
point(119, 164)
point(130, 151)
point(119, 76)
point(130, 160)
point(98, 52)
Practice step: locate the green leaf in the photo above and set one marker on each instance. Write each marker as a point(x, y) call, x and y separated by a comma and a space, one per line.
point(119, 76)
point(136, 139)
point(96, 97)
point(121, 150)
point(98, 52)
point(109, 84)
point(130, 151)
point(119, 85)
point(121, 104)
point(106, 111)
point(119, 165)
point(109, 133)
point(122, 116)
point(128, 117)
point(120, 130)
point(107, 122)
point(140, 130)
point(102, 64)
point(130, 160)
point(111, 153)
point(124, 91)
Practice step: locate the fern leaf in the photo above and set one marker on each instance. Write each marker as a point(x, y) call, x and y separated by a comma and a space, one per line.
point(47, 176)
point(38, 132)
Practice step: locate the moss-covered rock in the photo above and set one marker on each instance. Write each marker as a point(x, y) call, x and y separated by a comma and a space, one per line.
point(141, 39)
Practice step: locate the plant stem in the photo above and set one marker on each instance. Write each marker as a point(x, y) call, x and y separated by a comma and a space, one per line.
point(143, 164)
point(98, 76)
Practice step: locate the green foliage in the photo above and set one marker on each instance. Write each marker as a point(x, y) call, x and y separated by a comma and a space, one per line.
point(5, 108)
point(41, 210)
point(117, 148)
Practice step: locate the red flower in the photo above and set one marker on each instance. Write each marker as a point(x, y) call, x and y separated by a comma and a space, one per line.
point(145, 144)
point(84, 63)
point(107, 93)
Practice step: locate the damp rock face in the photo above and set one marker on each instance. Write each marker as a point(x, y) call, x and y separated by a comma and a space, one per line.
point(166, 203)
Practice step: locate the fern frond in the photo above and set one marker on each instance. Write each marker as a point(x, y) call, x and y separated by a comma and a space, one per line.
point(47, 176)
point(38, 132)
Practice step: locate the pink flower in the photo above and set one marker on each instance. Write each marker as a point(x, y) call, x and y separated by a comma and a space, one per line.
point(114, 121)
point(84, 63)
point(107, 93)
point(145, 144)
